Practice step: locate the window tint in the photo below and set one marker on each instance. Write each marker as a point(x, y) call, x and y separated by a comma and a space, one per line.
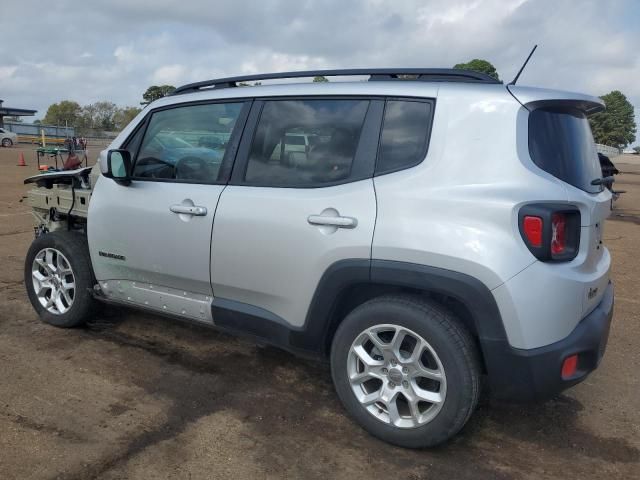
point(187, 143)
point(305, 142)
point(404, 134)
point(560, 143)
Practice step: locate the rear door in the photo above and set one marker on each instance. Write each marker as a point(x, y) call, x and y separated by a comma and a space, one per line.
point(290, 213)
point(150, 241)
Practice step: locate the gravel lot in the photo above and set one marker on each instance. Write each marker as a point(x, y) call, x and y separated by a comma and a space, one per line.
point(138, 396)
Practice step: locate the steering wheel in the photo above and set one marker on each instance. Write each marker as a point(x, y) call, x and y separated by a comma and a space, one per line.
point(190, 168)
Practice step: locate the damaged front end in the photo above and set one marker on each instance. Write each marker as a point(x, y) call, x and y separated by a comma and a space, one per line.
point(60, 200)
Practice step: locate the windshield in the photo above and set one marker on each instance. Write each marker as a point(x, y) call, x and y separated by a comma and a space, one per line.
point(561, 143)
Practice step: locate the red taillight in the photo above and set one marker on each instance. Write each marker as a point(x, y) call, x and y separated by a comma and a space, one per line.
point(569, 366)
point(558, 233)
point(532, 227)
point(550, 231)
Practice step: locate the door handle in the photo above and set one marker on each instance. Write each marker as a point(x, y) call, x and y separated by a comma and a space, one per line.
point(194, 210)
point(339, 222)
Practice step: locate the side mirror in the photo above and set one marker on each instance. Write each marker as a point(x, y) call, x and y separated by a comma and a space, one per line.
point(119, 166)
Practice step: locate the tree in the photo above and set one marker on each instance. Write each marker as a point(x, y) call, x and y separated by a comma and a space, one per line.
point(104, 115)
point(155, 92)
point(320, 79)
point(637, 149)
point(100, 115)
point(479, 65)
point(124, 116)
point(616, 126)
point(64, 113)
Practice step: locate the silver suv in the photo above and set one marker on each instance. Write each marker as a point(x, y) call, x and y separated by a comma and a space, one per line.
point(438, 230)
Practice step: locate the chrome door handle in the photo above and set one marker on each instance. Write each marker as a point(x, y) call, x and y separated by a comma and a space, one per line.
point(189, 210)
point(339, 222)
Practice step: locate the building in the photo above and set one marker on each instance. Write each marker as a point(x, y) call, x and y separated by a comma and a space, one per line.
point(13, 112)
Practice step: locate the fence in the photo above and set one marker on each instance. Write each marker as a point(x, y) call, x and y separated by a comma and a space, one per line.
point(31, 132)
point(610, 152)
point(31, 129)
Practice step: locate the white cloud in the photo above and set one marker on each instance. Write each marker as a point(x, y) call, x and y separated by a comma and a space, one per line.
point(169, 74)
point(590, 46)
point(7, 72)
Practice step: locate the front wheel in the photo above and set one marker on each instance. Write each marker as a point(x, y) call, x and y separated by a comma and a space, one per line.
point(406, 370)
point(7, 142)
point(59, 278)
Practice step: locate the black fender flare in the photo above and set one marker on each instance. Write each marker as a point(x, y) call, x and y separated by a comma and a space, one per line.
point(469, 291)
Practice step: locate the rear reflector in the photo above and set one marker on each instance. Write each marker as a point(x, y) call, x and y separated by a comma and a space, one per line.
point(569, 367)
point(558, 233)
point(532, 227)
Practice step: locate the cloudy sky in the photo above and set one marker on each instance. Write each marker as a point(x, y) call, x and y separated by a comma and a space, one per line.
point(113, 50)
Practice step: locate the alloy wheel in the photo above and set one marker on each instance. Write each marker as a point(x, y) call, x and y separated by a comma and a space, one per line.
point(396, 375)
point(53, 281)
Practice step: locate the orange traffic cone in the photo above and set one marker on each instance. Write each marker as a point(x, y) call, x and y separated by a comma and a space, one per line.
point(21, 162)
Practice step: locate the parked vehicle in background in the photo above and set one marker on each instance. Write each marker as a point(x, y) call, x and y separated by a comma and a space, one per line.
point(431, 234)
point(7, 139)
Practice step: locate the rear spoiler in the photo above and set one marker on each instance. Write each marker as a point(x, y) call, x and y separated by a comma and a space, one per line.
point(532, 98)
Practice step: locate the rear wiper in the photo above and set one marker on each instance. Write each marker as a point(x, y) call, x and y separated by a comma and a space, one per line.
point(603, 181)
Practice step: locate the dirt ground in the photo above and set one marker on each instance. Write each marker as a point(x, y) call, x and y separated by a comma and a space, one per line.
point(138, 396)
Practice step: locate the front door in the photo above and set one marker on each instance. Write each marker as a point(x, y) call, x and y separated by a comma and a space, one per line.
point(150, 241)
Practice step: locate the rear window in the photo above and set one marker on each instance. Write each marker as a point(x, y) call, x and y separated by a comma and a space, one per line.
point(291, 140)
point(561, 143)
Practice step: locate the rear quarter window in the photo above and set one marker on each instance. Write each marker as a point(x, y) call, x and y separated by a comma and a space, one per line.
point(561, 143)
point(405, 134)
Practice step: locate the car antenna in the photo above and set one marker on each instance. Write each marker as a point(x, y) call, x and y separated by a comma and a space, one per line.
point(513, 82)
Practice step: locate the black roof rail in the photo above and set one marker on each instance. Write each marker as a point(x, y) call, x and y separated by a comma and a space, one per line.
point(421, 74)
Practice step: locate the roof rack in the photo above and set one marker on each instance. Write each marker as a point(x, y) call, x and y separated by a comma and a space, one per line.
point(421, 74)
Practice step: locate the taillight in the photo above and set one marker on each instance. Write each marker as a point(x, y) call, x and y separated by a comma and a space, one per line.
point(558, 233)
point(550, 231)
point(532, 227)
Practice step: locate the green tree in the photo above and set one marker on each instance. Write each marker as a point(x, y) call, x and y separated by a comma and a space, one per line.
point(124, 116)
point(98, 115)
point(155, 92)
point(616, 126)
point(320, 79)
point(64, 113)
point(479, 65)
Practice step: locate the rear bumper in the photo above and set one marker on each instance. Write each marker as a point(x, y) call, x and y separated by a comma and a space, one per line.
point(535, 374)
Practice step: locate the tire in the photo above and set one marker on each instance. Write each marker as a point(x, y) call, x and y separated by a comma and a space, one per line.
point(448, 348)
point(7, 142)
point(68, 252)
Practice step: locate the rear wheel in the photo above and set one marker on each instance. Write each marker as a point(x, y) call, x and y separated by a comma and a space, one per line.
point(407, 370)
point(7, 142)
point(59, 278)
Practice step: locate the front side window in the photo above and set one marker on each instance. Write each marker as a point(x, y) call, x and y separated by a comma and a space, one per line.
point(305, 143)
point(405, 134)
point(187, 143)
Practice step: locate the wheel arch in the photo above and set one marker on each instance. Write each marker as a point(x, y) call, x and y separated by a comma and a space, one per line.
point(349, 283)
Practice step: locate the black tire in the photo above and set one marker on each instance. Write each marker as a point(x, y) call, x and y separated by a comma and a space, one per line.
point(7, 142)
point(74, 247)
point(447, 336)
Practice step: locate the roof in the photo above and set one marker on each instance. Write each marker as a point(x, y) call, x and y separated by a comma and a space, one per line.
point(16, 112)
